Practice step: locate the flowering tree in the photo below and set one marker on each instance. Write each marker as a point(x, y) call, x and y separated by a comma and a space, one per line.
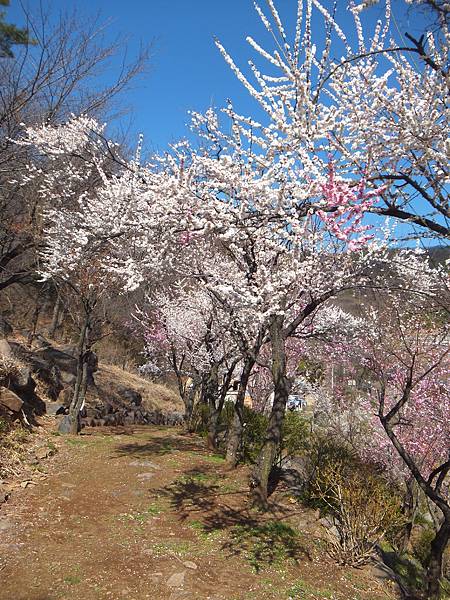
point(280, 242)
point(408, 358)
point(400, 417)
point(378, 104)
point(92, 198)
point(189, 336)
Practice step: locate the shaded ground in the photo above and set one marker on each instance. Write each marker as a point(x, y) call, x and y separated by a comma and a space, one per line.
point(148, 513)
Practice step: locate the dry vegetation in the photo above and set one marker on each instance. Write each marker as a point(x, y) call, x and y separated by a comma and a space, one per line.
point(109, 379)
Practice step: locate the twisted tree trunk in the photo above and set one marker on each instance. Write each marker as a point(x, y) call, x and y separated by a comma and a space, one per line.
point(435, 559)
point(261, 472)
point(237, 425)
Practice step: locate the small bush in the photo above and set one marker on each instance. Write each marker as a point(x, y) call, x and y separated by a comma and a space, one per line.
point(13, 449)
point(254, 433)
point(199, 419)
point(296, 434)
point(422, 547)
point(362, 509)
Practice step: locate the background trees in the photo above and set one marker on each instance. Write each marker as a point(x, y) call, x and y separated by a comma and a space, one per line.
point(11, 35)
point(46, 83)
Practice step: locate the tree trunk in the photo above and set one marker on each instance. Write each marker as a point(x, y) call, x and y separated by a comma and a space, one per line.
point(188, 400)
point(434, 565)
point(212, 392)
point(55, 317)
point(260, 476)
point(237, 424)
point(75, 413)
point(410, 505)
point(216, 400)
point(34, 322)
point(81, 380)
point(212, 427)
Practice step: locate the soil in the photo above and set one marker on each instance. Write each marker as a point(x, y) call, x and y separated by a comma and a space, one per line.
point(148, 513)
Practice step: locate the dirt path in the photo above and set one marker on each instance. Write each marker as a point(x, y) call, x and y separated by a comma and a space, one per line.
point(150, 514)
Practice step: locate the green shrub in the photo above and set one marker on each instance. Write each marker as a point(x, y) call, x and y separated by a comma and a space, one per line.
point(422, 547)
point(255, 427)
point(422, 544)
point(296, 434)
point(199, 419)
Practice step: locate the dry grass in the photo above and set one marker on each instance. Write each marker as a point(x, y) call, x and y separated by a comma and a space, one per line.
point(13, 449)
point(10, 366)
point(155, 396)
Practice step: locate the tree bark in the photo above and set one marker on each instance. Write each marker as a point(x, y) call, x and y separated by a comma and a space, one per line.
point(55, 317)
point(237, 424)
point(410, 504)
point(81, 380)
point(212, 392)
point(434, 565)
point(188, 401)
point(261, 473)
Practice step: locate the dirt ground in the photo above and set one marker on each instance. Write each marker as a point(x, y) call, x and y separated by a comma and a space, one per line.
point(148, 513)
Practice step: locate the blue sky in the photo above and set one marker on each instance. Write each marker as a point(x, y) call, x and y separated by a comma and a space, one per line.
point(187, 71)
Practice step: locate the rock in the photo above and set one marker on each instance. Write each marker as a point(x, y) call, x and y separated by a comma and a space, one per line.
point(5, 328)
point(10, 400)
point(26, 483)
point(65, 396)
point(326, 522)
point(130, 396)
point(92, 413)
point(176, 580)
point(66, 364)
point(145, 475)
point(108, 409)
point(4, 494)
point(65, 424)
point(190, 565)
point(110, 419)
point(144, 463)
point(5, 524)
point(54, 408)
point(23, 384)
point(47, 373)
point(5, 348)
point(68, 378)
point(42, 453)
point(41, 342)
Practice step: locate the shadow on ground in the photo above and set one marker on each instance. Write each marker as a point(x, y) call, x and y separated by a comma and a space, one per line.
point(220, 507)
point(157, 446)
